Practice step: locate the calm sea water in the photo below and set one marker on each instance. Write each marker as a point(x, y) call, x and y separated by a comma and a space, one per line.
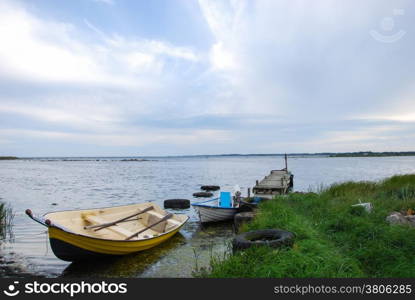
point(48, 185)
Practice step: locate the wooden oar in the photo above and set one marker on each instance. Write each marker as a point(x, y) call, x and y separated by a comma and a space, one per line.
point(105, 225)
point(124, 219)
point(166, 217)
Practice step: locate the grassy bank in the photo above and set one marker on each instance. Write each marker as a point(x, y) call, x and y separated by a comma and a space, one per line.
point(332, 238)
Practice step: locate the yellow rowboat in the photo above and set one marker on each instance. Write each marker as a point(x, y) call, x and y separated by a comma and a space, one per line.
point(82, 234)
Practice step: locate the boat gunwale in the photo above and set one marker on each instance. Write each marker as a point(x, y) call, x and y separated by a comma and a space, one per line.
point(112, 240)
point(201, 204)
point(65, 210)
point(122, 241)
point(211, 206)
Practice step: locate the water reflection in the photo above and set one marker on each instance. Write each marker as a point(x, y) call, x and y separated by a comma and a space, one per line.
point(123, 266)
point(207, 241)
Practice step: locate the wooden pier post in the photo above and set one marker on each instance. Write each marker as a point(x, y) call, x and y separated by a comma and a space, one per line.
point(286, 163)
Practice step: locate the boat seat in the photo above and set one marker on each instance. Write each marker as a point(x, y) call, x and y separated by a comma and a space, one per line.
point(95, 220)
point(225, 199)
point(153, 217)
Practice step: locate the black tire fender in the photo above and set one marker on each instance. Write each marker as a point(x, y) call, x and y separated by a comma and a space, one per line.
point(274, 238)
point(176, 203)
point(203, 194)
point(210, 187)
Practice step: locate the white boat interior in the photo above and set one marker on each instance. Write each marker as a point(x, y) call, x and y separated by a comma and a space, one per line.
point(89, 222)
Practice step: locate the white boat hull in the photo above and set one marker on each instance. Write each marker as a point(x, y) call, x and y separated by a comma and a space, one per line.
point(215, 214)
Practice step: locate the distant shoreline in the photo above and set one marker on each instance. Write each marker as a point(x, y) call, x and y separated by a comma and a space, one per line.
point(146, 158)
point(372, 154)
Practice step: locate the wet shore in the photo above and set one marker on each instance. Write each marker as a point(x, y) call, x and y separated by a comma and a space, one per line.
point(180, 256)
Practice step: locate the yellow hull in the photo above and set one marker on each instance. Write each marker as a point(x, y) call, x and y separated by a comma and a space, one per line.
point(107, 246)
point(73, 235)
point(88, 247)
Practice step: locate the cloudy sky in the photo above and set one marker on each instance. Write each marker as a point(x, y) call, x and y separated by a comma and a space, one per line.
point(176, 77)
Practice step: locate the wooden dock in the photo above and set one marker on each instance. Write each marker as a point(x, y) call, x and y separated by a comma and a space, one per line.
point(278, 182)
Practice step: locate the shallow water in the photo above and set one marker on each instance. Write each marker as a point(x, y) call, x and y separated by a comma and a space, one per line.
point(47, 185)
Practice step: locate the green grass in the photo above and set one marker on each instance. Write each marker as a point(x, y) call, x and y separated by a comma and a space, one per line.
point(333, 239)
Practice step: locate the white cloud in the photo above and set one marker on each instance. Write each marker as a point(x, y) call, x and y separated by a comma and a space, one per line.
point(131, 138)
point(106, 83)
point(225, 21)
point(49, 51)
point(221, 58)
point(277, 67)
point(400, 108)
point(139, 61)
point(90, 116)
point(301, 59)
point(402, 117)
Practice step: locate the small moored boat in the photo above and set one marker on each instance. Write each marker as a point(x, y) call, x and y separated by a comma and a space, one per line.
point(218, 209)
point(82, 234)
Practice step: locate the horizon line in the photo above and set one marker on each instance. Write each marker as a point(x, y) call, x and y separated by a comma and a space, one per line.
point(215, 155)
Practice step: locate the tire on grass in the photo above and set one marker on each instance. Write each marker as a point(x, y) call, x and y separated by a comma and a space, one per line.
point(274, 238)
